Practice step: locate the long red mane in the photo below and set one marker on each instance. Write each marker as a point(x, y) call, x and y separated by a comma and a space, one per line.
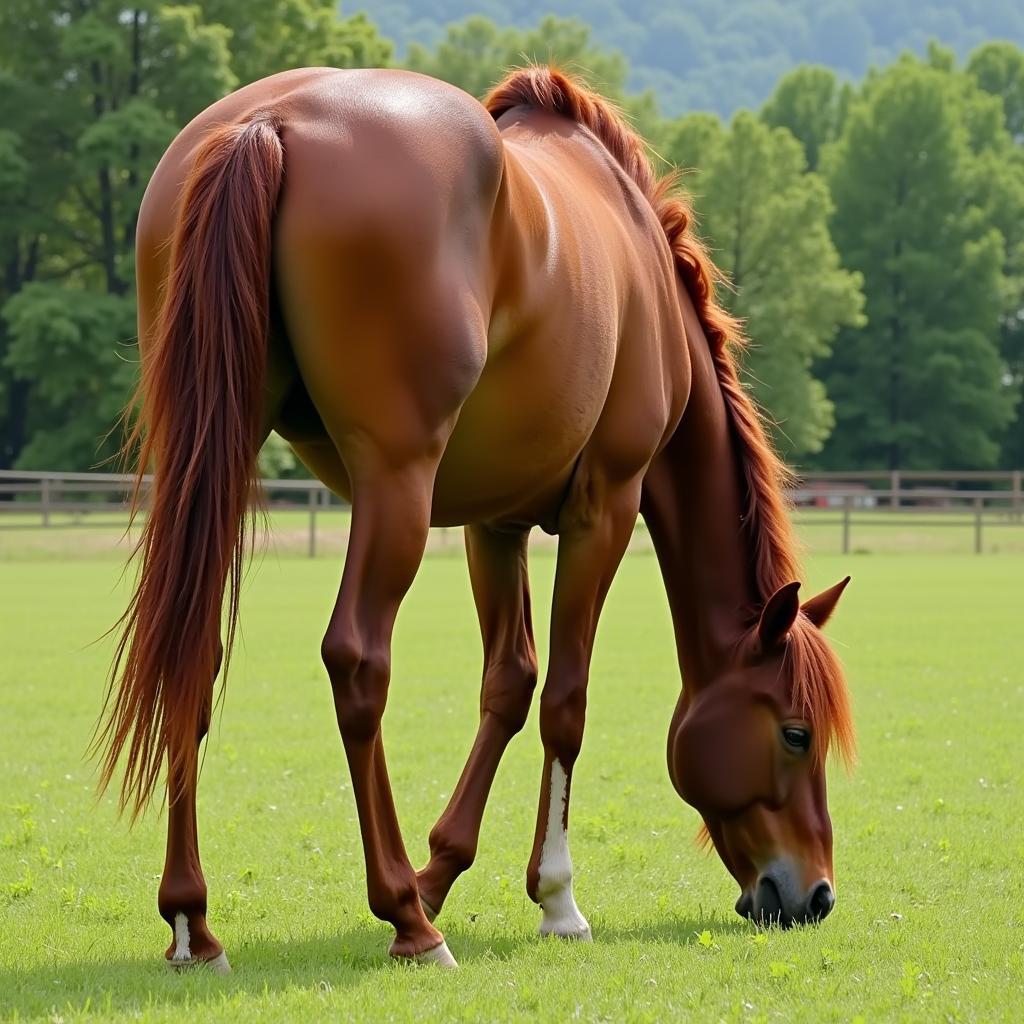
point(818, 679)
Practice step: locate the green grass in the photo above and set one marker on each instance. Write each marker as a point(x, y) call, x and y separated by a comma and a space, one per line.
point(101, 535)
point(929, 851)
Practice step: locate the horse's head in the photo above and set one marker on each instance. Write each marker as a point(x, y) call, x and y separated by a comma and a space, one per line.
point(747, 750)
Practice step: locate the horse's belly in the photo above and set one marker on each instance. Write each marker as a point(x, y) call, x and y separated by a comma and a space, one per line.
point(500, 475)
point(521, 431)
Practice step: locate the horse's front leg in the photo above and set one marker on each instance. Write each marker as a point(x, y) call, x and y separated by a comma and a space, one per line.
point(591, 545)
point(501, 590)
point(182, 895)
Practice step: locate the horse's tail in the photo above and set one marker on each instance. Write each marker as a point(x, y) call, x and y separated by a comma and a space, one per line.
point(198, 427)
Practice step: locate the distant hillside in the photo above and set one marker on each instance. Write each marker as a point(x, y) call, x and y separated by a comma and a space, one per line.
point(718, 55)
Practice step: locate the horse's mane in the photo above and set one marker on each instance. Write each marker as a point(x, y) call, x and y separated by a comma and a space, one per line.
point(818, 677)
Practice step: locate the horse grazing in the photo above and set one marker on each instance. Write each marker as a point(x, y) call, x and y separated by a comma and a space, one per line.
point(461, 314)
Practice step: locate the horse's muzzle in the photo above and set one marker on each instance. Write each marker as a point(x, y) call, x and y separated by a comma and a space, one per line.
point(777, 899)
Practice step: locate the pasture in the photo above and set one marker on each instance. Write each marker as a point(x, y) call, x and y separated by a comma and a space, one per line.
point(929, 923)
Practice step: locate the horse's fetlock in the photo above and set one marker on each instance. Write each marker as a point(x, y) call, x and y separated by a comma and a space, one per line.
point(391, 903)
point(181, 896)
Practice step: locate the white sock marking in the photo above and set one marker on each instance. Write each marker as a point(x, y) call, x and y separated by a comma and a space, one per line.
point(439, 955)
point(554, 885)
point(181, 938)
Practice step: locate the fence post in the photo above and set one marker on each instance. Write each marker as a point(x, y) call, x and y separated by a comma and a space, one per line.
point(45, 496)
point(977, 525)
point(894, 486)
point(314, 500)
point(847, 505)
point(1016, 493)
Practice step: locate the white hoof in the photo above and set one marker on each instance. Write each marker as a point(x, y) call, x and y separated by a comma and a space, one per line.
point(575, 929)
point(428, 910)
point(439, 955)
point(218, 965)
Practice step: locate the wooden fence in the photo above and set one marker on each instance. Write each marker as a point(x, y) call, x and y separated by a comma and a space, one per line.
point(979, 499)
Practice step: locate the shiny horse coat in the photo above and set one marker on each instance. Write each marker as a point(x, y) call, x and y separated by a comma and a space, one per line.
point(461, 314)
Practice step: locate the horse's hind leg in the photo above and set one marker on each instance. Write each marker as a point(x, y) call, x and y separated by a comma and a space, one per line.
point(182, 895)
point(390, 521)
point(497, 566)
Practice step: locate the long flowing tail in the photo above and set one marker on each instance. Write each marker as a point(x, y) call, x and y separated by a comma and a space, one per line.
point(200, 398)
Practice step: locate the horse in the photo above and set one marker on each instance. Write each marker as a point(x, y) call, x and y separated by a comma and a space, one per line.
point(491, 315)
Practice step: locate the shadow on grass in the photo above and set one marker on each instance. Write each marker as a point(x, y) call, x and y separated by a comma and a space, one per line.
point(327, 962)
point(267, 966)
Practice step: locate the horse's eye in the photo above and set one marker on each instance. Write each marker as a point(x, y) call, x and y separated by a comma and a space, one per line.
point(796, 738)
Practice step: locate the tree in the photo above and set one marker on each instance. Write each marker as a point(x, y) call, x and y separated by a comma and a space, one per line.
point(811, 104)
point(90, 96)
point(766, 219)
point(476, 53)
point(998, 68)
point(268, 36)
point(922, 384)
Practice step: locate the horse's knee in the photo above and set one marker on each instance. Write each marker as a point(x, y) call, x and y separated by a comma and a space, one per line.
point(508, 690)
point(359, 681)
point(563, 712)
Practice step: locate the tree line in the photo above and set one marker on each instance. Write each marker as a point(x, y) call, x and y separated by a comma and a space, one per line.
point(873, 232)
point(710, 55)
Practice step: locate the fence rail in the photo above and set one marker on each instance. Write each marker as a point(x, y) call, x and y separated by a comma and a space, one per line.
point(980, 499)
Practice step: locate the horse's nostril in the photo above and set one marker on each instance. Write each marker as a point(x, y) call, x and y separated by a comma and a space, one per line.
point(822, 902)
point(745, 905)
point(768, 907)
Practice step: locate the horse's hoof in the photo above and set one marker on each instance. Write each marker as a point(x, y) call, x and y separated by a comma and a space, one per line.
point(428, 910)
point(569, 935)
point(218, 965)
point(439, 955)
point(561, 917)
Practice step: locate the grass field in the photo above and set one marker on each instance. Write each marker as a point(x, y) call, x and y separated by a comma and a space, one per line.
point(929, 850)
point(873, 531)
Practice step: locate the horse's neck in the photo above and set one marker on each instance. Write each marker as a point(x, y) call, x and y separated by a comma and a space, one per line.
point(693, 502)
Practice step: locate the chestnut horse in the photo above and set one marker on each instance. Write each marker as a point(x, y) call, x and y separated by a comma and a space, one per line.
point(461, 314)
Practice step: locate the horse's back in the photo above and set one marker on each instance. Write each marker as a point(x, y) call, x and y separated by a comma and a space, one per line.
point(430, 277)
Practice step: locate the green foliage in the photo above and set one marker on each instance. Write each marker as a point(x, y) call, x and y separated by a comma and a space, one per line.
point(74, 345)
point(93, 95)
point(766, 220)
point(90, 96)
point(268, 36)
point(923, 382)
point(476, 53)
point(812, 105)
point(998, 68)
point(277, 461)
point(710, 55)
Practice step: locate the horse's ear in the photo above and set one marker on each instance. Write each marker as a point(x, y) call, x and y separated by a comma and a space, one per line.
point(778, 616)
point(819, 609)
